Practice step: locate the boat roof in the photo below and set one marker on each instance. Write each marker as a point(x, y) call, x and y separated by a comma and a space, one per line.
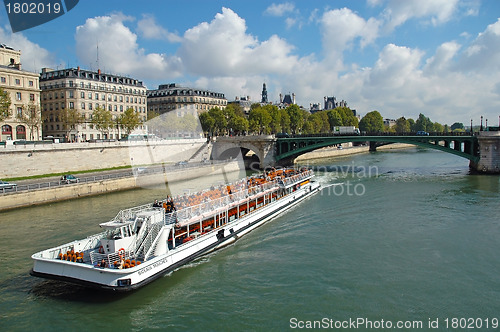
point(113, 224)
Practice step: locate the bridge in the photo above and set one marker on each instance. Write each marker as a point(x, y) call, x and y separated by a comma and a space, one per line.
point(482, 150)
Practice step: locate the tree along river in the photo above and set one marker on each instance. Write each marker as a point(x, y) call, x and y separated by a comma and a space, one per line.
point(404, 236)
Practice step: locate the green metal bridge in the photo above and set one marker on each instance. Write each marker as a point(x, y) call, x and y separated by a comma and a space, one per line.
point(464, 146)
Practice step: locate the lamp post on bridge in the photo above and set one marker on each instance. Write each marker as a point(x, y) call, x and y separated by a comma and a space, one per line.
point(471, 131)
point(481, 128)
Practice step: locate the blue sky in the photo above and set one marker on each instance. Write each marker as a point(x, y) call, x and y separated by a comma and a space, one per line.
point(400, 57)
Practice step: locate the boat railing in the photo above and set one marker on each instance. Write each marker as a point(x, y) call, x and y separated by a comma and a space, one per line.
point(222, 202)
point(130, 213)
point(296, 178)
point(110, 259)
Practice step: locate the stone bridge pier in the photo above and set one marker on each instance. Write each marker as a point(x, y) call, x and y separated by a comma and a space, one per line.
point(230, 147)
point(489, 153)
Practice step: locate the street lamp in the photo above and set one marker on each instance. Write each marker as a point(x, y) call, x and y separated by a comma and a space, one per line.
point(471, 131)
point(481, 129)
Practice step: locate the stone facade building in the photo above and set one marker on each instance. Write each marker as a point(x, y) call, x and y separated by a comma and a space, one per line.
point(171, 97)
point(24, 121)
point(70, 89)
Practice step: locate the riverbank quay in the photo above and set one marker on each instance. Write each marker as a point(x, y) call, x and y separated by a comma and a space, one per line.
point(330, 152)
point(165, 178)
point(24, 160)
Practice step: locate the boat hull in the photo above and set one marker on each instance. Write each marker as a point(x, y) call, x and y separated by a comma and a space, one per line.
point(138, 276)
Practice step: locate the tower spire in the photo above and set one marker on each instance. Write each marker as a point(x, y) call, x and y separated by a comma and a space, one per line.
point(264, 94)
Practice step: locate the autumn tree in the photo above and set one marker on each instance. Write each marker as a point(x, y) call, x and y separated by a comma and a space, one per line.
point(71, 118)
point(220, 122)
point(31, 117)
point(207, 123)
point(4, 104)
point(102, 120)
point(347, 116)
point(296, 118)
point(129, 120)
point(402, 125)
point(372, 122)
point(259, 120)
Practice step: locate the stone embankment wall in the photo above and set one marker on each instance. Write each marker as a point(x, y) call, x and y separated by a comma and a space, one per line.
point(330, 152)
point(47, 195)
point(29, 160)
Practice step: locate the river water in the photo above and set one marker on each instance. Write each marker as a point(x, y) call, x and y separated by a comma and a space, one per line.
point(401, 236)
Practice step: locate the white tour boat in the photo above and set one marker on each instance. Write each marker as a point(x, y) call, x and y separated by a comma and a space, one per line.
point(146, 242)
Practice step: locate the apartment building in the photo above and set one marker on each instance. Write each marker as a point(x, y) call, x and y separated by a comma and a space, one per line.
point(24, 120)
point(171, 97)
point(71, 91)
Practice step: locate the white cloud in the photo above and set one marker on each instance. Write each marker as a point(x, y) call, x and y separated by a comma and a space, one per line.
point(442, 60)
point(280, 9)
point(224, 48)
point(484, 52)
point(149, 29)
point(119, 52)
point(33, 56)
point(398, 12)
point(340, 27)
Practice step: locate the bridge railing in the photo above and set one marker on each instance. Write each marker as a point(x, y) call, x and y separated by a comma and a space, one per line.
point(459, 134)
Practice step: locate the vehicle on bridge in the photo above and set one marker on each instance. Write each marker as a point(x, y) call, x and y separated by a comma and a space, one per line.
point(422, 133)
point(345, 131)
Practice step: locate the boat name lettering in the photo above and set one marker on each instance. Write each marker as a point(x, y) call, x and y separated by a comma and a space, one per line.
point(153, 266)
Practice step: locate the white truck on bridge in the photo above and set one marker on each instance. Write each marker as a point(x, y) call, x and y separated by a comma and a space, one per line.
point(345, 130)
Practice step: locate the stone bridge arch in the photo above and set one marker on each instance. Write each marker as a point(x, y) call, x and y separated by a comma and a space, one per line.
point(230, 147)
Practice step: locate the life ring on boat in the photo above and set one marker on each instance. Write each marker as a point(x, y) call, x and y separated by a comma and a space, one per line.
point(101, 250)
point(121, 253)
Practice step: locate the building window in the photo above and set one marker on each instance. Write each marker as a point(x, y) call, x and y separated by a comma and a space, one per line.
point(121, 99)
point(32, 97)
point(90, 106)
point(18, 96)
point(21, 132)
point(19, 112)
point(103, 96)
point(3, 79)
point(18, 81)
point(30, 83)
point(71, 105)
point(83, 106)
point(109, 108)
point(90, 95)
point(116, 108)
point(70, 84)
point(121, 108)
point(71, 94)
point(82, 95)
